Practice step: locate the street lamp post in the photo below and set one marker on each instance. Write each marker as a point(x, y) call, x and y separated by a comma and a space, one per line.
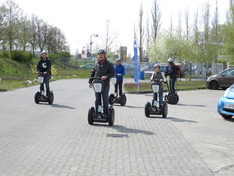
point(91, 42)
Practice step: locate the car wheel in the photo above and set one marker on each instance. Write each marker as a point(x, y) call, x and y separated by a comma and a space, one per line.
point(226, 116)
point(214, 85)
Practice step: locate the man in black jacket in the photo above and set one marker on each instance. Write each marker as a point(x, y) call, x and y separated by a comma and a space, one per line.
point(105, 70)
point(44, 68)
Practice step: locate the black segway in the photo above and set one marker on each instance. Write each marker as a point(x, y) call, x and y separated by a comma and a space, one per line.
point(98, 116)
point(154, 108)
point(41, 96)
point(114, 98)
point(171, 98)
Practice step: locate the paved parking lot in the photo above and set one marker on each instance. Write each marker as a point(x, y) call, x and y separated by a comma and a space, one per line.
point(56, 140)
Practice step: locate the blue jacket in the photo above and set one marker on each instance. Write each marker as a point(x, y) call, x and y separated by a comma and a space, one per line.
point(119, 70)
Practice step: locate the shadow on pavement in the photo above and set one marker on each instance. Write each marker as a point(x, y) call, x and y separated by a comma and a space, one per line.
point(130, 106)
point(62, 106)
point(230, 120)
point(125, 130)
point(180, 120)
point(190, 105)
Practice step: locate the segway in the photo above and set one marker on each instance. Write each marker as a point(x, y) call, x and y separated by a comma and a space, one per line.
point(98, 116)
point(154, 108)
point(41, 96)
point(171, 98)
point(114, 98)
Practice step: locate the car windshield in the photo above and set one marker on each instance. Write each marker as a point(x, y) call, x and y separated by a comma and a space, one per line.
point(231, 89)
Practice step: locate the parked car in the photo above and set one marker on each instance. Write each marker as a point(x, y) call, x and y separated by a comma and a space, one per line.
point(222, 80)
point(225, 105)
point(86, 66)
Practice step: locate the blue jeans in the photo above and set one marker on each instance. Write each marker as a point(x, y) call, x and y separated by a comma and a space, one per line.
point(160, 97)
point(46, 82)
point(105, 97)
point(172, 85)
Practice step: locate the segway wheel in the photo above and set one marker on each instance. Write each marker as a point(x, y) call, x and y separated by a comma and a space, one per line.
point(91, 115)
point(111, 116)
point(164, 110)
point(51, 98)
point(147, 109)
point(172, 98)
point(36, 97)
point(111, 99)
point(123, 100)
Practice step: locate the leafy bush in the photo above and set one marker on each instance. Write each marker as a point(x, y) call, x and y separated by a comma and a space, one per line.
point(21, 56)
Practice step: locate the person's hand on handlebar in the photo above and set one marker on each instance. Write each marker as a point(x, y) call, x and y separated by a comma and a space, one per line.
point(90, 85)
point(103, 78)
point(118, 74)
point(44, 73)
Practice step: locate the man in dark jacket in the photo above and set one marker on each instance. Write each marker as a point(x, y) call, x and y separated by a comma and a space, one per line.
point(172, 74)
point(44, 68)
point(119, 72)
point(105, 70)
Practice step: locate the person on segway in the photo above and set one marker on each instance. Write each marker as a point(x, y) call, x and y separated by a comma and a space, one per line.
point(44, 68)
point(119, 72)
point(172, 74)
point(105, 70)
point(158, 76)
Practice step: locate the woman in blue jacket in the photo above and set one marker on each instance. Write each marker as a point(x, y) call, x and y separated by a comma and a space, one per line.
point(119, 72)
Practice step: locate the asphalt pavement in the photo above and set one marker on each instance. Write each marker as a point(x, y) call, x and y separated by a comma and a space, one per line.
point(56, 140)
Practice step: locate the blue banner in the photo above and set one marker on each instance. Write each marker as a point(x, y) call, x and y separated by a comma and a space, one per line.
point(136, 67)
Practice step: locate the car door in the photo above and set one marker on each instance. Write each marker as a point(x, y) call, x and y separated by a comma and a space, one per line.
point(230, 77)
point(226, 78)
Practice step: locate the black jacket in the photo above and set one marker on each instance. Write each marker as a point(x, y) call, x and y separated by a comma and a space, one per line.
point(172, 72)
point(105, 69)
point(44, 66)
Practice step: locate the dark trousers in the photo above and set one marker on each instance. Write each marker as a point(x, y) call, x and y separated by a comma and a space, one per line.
point(160, 97)
point(119, 84)
point(105, 97)
point(172, 85)
point(47, 84)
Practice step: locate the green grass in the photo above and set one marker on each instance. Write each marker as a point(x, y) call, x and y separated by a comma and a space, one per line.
point(15, 75)
point(180, 85)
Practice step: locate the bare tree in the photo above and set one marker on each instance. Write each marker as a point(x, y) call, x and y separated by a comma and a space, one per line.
point(148, 36)
point(42, 32)
point(215, 24)
point(196, 27)
point(109, 37)
point(206, 21)
point(187, 25)
point(179, 27)
point(156, 17)
point(141, 33)
point(33, 33)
